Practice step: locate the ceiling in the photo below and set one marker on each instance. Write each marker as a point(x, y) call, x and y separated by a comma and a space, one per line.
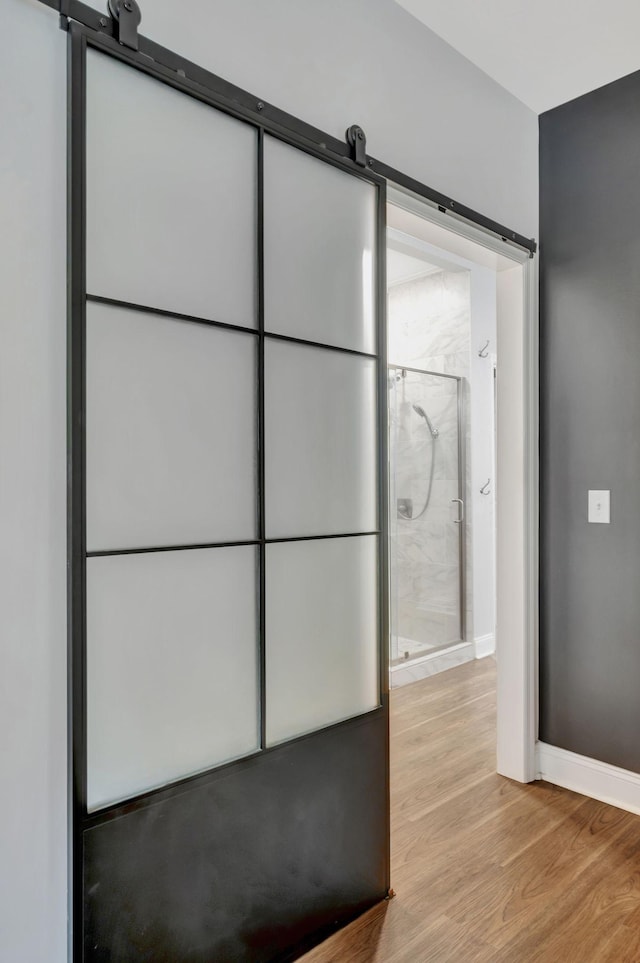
point(403, 267)
point(544, 51)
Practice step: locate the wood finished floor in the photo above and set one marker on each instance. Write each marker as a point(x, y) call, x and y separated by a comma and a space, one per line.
point(486, 869)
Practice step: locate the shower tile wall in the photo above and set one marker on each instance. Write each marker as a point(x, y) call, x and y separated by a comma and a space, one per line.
point(429, 323)
point(429, 328)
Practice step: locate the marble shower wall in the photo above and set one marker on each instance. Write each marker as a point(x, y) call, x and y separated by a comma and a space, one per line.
point(429, 323)
point(429, 328)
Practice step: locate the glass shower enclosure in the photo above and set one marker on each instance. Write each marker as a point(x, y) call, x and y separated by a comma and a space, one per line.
point(426, 527)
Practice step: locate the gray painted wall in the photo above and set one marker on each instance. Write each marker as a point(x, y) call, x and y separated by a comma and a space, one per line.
point(590, 423)
point(425, 109)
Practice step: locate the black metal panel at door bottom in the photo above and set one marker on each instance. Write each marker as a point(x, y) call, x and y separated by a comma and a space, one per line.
point(244, 867)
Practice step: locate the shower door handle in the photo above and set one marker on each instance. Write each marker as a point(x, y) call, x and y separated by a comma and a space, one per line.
point(460, 519)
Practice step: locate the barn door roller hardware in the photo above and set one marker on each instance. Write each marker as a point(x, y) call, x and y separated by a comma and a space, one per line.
point(357, 141)
point(127, 16)
point(123, 25)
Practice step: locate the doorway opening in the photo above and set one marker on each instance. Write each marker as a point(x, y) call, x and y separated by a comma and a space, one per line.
point(442, 322)
point(462, 348)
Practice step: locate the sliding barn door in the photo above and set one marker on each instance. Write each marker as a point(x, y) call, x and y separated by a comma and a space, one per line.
point(227, 504)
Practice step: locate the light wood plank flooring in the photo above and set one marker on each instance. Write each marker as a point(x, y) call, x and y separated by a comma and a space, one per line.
point(486, 869)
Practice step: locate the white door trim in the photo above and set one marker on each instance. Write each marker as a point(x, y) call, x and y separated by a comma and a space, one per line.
point(516, 517)
point(531, 369)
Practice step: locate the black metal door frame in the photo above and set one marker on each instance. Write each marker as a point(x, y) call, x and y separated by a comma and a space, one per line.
point(80, 38)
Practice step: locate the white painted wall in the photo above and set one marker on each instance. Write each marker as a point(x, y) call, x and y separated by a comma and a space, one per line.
point(425, 109)
point(511, 536)
point(483, 328)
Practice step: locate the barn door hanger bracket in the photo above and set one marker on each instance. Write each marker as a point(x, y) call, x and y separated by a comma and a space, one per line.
point(127, 16)
point(357, 141)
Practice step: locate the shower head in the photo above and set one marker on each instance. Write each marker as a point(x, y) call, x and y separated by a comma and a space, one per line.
point(420, 411)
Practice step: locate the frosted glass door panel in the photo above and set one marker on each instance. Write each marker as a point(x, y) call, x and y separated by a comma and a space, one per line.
point(319, 233)
point(171, 666)
point(321, 633)
point(171, 431)
point(320, 429)
point(171, 198)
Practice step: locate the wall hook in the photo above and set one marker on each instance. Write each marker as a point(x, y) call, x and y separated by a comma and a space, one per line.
point(483, 352)
point(485, 490)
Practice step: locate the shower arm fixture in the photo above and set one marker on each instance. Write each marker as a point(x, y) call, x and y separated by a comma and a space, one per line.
point(484, 352)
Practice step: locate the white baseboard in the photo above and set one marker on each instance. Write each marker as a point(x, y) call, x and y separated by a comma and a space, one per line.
point(609, 784)
point(485, 645)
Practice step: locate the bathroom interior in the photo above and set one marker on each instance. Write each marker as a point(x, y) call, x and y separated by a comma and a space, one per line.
point(441, 377)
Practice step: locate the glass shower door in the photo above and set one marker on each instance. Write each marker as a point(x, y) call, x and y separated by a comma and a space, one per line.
point(426, 526)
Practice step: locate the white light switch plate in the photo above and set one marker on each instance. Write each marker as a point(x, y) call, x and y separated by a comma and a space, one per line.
point(600, 507)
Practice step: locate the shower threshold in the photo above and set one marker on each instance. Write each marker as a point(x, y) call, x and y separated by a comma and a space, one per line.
point(411, 649)
point(437, 659)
